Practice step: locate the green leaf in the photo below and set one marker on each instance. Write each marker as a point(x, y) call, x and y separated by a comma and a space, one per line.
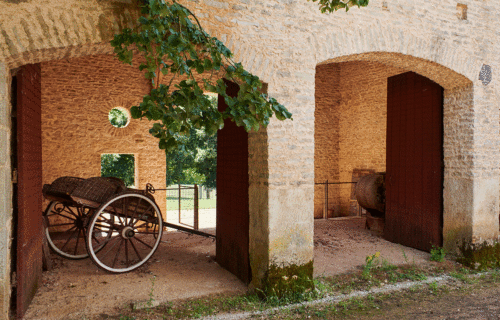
point(169, 41)
point(135, 112)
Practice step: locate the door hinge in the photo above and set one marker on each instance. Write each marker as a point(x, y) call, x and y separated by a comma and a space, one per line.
point(14, 175)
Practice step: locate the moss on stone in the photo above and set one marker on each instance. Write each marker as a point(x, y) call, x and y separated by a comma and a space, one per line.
point(288, 280)
point(480, 256)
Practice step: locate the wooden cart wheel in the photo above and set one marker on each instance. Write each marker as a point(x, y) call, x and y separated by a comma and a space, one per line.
point(131, 226)
point(65, 229)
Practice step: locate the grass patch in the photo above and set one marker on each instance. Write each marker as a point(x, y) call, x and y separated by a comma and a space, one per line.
point(380, 274)
point(188, 203)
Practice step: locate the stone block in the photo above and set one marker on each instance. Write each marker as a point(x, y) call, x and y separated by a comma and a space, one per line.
point(4, 147)
point(458, 211)
point(5, 196)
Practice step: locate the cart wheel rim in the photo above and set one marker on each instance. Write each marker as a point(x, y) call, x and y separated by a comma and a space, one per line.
point(124, 238)
point(79, 229)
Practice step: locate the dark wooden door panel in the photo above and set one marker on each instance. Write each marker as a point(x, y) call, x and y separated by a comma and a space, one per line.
point(29, 195)
point(414, 177)
point(232, 245)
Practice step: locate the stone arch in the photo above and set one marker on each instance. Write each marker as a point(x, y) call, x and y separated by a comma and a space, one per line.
point(460, 140)
point(444, 76)
point(37, 32)
point(366, 43)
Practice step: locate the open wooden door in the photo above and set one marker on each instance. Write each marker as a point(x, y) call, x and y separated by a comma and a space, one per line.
point(29, 187)
point(232, 244)
point(414, 179)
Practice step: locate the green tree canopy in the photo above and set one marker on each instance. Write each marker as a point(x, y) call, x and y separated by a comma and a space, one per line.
point(119, 166)
point(195, 159)
point(173, 44)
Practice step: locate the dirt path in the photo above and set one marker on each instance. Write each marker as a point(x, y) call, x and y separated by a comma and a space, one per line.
point(479, 303)
point(185, 267)
point(342, 245)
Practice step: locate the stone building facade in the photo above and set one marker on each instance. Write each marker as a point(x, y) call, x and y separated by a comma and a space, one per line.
point(305, 58)
point(77, 95)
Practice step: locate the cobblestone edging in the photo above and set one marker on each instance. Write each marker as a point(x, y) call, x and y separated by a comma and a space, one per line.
point(440, 280)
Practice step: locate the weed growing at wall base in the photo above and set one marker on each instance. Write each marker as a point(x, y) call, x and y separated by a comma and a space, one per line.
point(370, 262)
point(437, 254)
point(480, 256)
point(285, 285)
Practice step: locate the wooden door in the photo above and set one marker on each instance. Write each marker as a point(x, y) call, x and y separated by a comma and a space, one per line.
point(232, 244)
point(414, 177)
point(29, 187)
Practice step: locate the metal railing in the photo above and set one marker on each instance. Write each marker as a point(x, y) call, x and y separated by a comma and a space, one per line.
point(185, 192)
point(333, 196)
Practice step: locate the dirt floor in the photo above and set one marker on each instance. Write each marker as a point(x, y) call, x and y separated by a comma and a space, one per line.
point(184, 267)
point(341, 245)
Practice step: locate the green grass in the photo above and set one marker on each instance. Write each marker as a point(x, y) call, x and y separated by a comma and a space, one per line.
point(187, 204)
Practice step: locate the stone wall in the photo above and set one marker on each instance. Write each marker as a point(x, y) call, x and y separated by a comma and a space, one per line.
point(350, 128)
point(282, 42)
point(77, 95)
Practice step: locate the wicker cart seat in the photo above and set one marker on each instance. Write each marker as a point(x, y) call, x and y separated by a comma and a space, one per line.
point(91, 192)
point(61, 188)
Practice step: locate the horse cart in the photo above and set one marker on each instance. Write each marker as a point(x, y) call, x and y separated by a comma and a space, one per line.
point(119, 228)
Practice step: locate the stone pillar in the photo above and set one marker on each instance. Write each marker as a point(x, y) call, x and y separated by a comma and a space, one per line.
point(282, 196)
point(5, 190)
point(471, 160)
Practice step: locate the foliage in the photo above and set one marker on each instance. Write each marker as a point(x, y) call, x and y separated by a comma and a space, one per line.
point(370, 262)
point(334, 5)
point(437, 254)
point(284, 285)
point(195, 159)
point(117, 118)
point(174, 44)
point(118, 166)
point(480, 256)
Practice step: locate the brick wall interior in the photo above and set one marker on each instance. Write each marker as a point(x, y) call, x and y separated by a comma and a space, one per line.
point(77, 95)
point(350, 129)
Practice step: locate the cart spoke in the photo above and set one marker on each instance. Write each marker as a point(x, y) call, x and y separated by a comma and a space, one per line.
point(73, 227)
point(143, 214)
point(69, 238)
point(144, 243)
point(68, 210)
point(108, 226)
point(117, 252)
point(95, 238)
point(135, 249)
point(110, 248)
point(77, 240)
point(111, 222)
point(125, 209)
point(126, 251)
point(135, 212)
point(117, 216)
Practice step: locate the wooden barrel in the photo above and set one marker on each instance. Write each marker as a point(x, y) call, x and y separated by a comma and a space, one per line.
point(370, 193)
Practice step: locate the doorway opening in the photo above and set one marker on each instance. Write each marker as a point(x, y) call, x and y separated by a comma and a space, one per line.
point(351, 141)
point(120, 166)
point(192, 180)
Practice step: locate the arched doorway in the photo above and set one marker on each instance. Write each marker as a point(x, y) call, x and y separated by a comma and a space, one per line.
point(351, 127)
